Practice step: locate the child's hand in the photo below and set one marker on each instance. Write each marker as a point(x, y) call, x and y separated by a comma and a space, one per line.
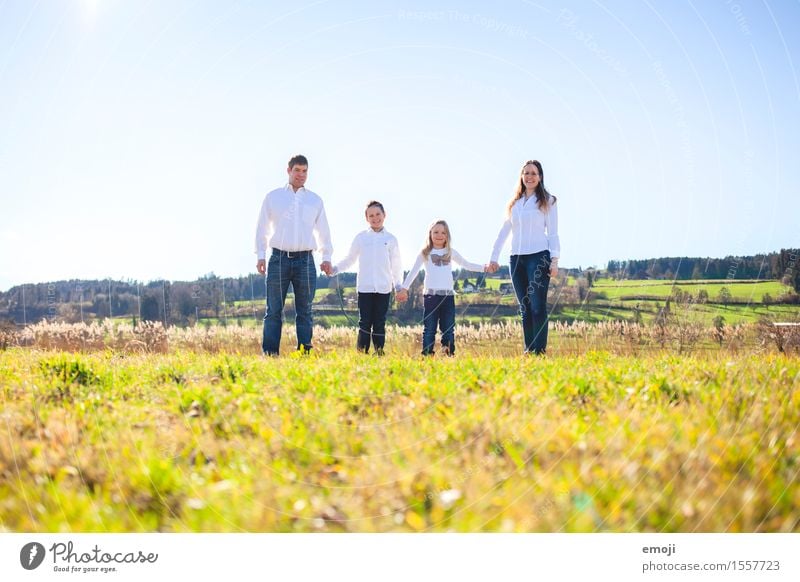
point(402, 296)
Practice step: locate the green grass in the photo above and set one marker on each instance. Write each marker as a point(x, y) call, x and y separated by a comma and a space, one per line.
point(343, 442)
point(749, 291)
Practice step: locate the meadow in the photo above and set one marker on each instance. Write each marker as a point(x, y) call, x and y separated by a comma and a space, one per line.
point(191, 430)
point(638, 300)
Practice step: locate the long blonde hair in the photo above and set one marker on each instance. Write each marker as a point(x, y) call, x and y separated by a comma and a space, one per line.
point(426, 250)
point(543, 198)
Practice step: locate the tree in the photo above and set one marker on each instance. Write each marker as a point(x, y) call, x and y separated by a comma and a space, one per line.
point(767, 300)
point(150, 309)
point(702, 296)
point(591, 275)
point(724, 296)
point(719, 329)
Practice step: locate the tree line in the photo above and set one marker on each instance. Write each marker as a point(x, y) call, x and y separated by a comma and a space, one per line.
point(210, 296)
point(781, 265)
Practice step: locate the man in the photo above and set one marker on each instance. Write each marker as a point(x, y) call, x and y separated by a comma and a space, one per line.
point(293, 223)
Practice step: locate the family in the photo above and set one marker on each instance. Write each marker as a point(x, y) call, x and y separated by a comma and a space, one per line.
point(292, 223)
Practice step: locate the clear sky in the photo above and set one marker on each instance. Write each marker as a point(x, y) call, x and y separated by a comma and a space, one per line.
point(138, 139)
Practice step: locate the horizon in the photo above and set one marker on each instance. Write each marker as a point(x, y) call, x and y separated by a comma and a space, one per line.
point(320, 274)
point(138, 141)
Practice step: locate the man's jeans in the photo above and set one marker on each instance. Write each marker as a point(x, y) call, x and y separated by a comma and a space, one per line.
point(439, 310)
point(530, 275)
point(299, 270)
point(372, 309)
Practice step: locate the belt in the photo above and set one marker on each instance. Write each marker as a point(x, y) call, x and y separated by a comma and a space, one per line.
point(290, 254)
point(440, 292)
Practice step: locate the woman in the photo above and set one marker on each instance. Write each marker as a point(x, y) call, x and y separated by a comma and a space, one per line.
point(532, 219)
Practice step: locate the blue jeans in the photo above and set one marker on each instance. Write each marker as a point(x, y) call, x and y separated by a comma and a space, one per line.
point(372, 309)
point(530, 275)
point(299, 270)
point(439, 310)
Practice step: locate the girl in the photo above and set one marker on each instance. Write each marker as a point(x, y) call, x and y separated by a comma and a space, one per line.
point(438, 296)
point(379, 271)
point(532, 220)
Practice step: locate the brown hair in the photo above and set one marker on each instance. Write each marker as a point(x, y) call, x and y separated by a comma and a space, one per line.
point(543, 198)
point(372, 203)
point(298, 160)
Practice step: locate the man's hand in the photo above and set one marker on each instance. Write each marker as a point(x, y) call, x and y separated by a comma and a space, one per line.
point(493, 267)
point(326, 268)
point(401, 296)
point(261, 266)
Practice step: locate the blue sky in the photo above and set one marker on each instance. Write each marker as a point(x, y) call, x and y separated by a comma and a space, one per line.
point(138, 139)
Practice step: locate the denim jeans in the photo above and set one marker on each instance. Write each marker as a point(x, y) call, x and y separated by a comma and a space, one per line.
point(372, 309)
point(439, 310)
point(530, 275)
point(299, 270)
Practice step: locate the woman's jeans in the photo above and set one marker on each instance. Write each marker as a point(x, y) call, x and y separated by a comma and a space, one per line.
point(530, 275)
point(439, 310)
point(372, 309)
point(299, 270)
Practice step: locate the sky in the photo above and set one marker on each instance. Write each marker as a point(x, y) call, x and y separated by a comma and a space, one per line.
point(138, 139)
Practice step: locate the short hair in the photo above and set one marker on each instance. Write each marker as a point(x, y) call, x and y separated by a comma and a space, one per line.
point(372, 203)
point(298, 160)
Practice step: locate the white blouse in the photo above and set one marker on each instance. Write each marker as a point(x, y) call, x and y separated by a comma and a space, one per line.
point(531, 230)
point(439, 275)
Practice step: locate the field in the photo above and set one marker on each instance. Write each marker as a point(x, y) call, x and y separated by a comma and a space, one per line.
point(744, 291)
point(183, 432)
point(610, 300)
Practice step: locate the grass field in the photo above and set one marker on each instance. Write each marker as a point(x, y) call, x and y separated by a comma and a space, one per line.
point(345, 442)
point(747, 291)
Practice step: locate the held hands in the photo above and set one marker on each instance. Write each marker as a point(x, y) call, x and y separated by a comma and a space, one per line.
point(326, 268)
point(492, 267)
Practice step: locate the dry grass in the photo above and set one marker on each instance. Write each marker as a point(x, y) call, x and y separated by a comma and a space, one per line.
point(502, 339)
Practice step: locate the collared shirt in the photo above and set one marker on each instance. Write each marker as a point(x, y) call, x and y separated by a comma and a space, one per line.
point(380, 268)
point(531, 230)
point(438, 274)
point(293, 221)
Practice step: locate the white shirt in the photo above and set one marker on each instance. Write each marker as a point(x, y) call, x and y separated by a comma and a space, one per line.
point(439, 277)
point(289, 220)
point(380, 268)
point(531, 230)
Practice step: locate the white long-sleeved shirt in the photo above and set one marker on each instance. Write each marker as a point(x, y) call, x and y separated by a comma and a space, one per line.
point(531, 230)
point(380, 268)
point(293, 221)
point(438, 277)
